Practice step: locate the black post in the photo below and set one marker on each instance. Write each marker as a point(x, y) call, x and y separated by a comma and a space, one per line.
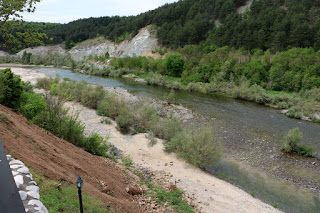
point(80, 200)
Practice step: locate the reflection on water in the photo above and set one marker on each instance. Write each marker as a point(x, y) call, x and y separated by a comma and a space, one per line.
point(241, 116)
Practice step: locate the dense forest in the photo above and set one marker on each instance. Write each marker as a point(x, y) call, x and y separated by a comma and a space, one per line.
point(269, 24)
point(16, 42)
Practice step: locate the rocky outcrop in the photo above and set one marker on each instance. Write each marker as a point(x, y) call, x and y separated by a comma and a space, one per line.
point(3, 53)
point(99, 46)
point(140, 45)
point(44, 50)
point(243, 8)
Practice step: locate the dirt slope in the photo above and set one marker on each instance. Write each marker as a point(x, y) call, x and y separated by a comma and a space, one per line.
point(60, 160)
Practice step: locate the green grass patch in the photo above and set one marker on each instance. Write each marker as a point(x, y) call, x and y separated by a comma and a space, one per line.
point(62, 197)
point(273, 92)
point(172, 198)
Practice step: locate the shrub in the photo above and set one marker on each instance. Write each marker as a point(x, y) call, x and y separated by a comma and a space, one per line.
point(199, 147)
point(96, 144)
point(152, 140)
point(125, 120)
point(292, 143)
point(10, 89)
point(174, 65)
point(155, 79)
point(166, 128)
point(32, 104)
point(91, 96)
point(110, 106)
point(145, 116)
point(171, 97)
point(105, 120)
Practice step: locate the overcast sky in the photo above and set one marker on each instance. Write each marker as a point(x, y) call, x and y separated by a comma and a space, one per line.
point(64, 11)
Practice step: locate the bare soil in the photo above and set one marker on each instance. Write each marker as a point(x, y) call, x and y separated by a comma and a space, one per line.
point(60, 160)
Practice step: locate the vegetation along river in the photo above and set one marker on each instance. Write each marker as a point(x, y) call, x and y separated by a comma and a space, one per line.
point(251, 135)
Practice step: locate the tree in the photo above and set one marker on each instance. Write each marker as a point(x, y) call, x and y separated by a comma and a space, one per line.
point(10, 89)
point(174, 65)
point(11, 20)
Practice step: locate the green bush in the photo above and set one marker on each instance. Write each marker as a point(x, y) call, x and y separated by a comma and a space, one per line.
point(110, 106)
point(199, 147)
point(155, 79)
point(125, 120)
point(166, 128)
point(174, 65)
point(32, 104)
point(91, 96)
point(145, 116)
point(96, 144)
point(292, 143)
point(10, 89)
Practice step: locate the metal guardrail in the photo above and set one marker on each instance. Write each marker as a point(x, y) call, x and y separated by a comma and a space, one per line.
point(10, 201)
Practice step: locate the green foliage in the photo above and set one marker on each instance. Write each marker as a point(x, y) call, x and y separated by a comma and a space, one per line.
point(10, 89)
point(171, 97)
point(155, 79)
point(173, 198)
point(166, 128)
point(13, 35)
point(126, 161)
point(125, 120)
point(174, 65)
point(32, 104)
point(96, 144)
point(111, 106)
point(199, 147)
point(292, 143)
point(64, 198)
point(105, 120)
point(4, 118)
point(151, 138)
point(26, 57)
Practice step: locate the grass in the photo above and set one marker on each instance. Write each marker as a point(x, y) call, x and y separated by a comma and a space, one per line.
point(62, 197)
point(4, 118)
point(172, 198)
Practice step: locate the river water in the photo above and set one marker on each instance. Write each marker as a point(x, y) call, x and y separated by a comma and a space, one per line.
point(243, 118)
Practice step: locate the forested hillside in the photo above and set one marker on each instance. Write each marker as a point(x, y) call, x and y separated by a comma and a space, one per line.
point(270, 24)
point(18, 29)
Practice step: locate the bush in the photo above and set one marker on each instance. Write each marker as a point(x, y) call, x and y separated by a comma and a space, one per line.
point(96, 144)
point(174, 65)
point(10, 89)
point(199, 147)
point(32, 104)
point(125, 120)
point(155, 79)
point(110, 106)
point(166, 128)
point(152, 140)
point(292, 143)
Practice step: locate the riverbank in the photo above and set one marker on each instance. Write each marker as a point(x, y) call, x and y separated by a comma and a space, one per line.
point(225, 196)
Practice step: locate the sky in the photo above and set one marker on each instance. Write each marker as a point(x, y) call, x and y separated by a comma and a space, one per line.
point(64, 11)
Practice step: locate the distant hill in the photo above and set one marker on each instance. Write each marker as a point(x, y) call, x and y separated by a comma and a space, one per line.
point(268, 24)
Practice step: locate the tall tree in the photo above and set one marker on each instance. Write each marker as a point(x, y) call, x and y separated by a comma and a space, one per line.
point(11, 19)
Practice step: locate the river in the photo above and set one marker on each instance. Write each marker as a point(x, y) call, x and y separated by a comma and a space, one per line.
point(238, 121)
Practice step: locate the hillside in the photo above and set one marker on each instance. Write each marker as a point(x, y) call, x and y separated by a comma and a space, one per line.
point(275, 24)
point(60, 160)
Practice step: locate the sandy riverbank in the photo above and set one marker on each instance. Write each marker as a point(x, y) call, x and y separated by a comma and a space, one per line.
point(211, 194)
